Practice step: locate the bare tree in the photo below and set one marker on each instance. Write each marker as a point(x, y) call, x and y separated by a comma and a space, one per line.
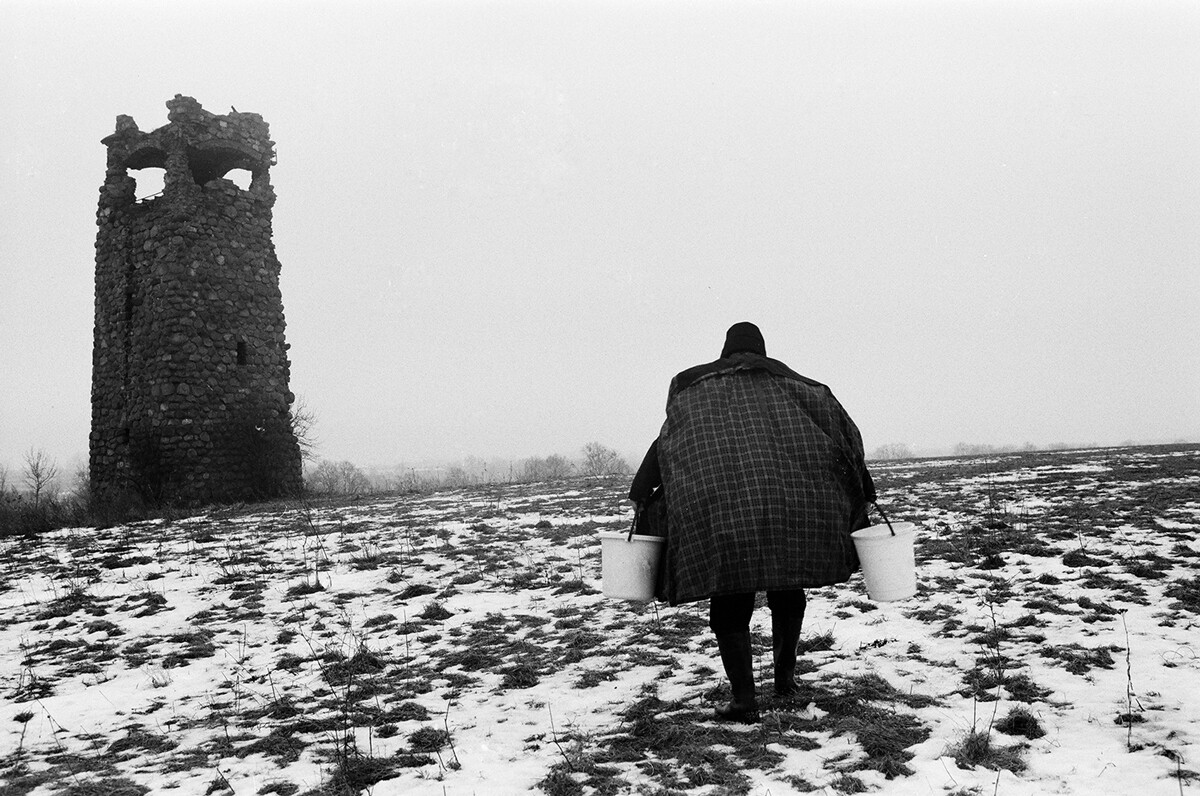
point(456, 476)
point(303, 423)
point(892, 450)
point(533, 469)
point(551, 468)
point(83, 482)
point(475, 470)
point(40, 472)
point(600, 460)
point(558, 468)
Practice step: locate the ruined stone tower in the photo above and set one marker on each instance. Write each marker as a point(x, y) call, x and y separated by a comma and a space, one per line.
point(190, 398)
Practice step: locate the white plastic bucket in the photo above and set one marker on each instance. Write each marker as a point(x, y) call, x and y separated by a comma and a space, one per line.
point(629, 565)
point(888, 565)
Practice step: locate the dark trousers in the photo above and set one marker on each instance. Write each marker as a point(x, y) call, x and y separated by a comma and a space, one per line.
point(730, 613)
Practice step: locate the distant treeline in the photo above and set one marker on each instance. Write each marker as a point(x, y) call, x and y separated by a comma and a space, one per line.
point(900, 450)
point(326, 477)
point(35, 500)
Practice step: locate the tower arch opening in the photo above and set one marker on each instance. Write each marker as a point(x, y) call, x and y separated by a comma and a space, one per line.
point(149, 164)
point(213, 162)
point(149, 182)
point(241, 177)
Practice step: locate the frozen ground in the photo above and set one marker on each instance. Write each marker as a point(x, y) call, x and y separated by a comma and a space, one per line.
point(457, 643)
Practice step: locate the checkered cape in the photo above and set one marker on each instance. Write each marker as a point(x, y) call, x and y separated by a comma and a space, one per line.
point(764, 479)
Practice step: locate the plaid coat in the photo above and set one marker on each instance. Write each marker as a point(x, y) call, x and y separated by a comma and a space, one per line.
point(764, 478)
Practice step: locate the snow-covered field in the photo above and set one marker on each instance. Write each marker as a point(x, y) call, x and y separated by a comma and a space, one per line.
point(458, 643)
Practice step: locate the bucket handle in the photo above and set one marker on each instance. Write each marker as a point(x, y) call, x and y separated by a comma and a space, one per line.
point(881, 514)
point(637, 512)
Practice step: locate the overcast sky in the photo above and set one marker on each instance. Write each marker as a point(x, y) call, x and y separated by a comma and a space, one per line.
point(504, 226)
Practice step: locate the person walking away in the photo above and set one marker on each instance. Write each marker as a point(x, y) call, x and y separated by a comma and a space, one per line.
point(764, 479)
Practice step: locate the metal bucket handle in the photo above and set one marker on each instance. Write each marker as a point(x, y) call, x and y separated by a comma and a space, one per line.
point(885, 518)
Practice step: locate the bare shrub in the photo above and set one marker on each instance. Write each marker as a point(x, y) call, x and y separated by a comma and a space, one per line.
point(550, 468)
point(892, 450)
point(974, 449)
point(337, 478)
point(977, 749)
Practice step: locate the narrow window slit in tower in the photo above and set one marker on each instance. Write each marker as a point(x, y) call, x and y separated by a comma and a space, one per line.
point(241, 352)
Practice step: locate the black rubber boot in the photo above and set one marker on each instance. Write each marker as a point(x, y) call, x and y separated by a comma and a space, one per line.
point(738, 659)
point(785, 634)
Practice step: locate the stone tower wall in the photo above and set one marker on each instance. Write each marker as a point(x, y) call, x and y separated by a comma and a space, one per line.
point(190, 395)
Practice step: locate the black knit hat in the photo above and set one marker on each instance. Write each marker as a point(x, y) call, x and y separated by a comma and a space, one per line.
point(744, 337)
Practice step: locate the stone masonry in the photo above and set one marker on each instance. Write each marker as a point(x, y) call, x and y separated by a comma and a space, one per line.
point(190, 397)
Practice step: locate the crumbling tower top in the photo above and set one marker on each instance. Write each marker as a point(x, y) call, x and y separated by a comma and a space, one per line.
point(195, 146)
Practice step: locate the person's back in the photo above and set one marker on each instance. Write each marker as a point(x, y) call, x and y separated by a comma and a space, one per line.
point(764, 479)
point(759, 465)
